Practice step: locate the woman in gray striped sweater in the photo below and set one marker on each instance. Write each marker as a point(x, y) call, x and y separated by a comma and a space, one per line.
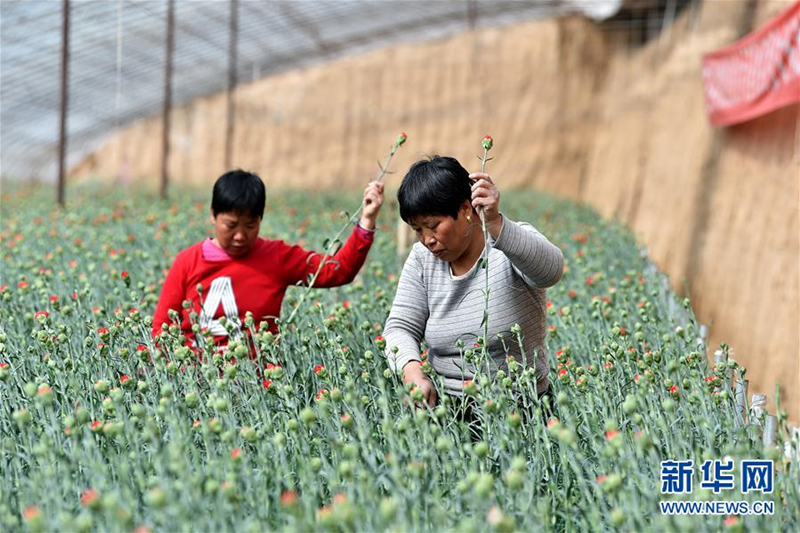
point(440, 295)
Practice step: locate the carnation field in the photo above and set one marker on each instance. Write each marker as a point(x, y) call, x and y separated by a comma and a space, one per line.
point(100, 431)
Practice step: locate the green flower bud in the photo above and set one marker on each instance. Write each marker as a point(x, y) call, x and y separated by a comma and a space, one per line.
point(156, 498)
point(443, 444)
point(30, 389)
point(22, 417)
point(617, 517)
point(483, 486)
point(513, 479)
point(388, 508)
point(308, 416)
point(191, 399)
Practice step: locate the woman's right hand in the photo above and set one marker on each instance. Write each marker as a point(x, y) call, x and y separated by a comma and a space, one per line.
point(372, 202)
point(412, 373)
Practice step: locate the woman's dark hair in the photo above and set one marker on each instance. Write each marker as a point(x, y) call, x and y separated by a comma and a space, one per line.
point(241, 192)
point(434, 187)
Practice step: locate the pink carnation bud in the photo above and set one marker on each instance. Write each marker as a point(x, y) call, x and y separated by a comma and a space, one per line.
point(89, 497)
point(288, 497)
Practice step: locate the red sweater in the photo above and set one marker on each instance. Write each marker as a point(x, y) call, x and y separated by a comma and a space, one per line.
point(256, 282)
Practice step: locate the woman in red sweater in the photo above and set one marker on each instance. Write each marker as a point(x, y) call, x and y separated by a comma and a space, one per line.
point(237, 271)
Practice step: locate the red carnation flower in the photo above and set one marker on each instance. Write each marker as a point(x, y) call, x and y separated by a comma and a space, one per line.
point(730, 521)
point(611, 433)
point(30, 513)
point(288, 497)
point(88, 497)
point(266, 383)
point(318, 369)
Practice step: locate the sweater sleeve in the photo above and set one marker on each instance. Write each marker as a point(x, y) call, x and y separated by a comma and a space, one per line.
point(300, 265)
point(537, 259)
point(173, 293)
point(405, 327)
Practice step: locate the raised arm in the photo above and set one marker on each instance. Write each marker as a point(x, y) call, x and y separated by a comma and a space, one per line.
point(536, 258)
point(301, 266)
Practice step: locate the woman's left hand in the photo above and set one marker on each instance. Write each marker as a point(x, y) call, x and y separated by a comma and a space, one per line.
point(485, 194)
point(373, 200)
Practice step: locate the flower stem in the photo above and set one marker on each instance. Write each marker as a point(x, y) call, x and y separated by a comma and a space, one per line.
point(486, 249)
point(326, 257)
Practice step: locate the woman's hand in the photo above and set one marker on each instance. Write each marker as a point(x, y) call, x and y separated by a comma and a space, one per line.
point(373, 200)
point(412, 373)
point(485, 194)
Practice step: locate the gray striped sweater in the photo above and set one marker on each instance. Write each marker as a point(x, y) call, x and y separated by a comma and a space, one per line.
point(433, 305)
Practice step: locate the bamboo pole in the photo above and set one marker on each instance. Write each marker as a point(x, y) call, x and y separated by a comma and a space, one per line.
point(167, 99)
point(232, 80)
point(62, 135)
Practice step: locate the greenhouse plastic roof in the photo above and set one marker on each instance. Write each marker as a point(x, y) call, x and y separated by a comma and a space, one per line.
point(118, 56)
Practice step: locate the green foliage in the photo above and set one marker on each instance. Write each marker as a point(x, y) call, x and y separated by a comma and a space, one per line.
point(318, 434)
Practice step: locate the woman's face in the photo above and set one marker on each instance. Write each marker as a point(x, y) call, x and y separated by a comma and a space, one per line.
point(236, 233)
point(446, 237)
